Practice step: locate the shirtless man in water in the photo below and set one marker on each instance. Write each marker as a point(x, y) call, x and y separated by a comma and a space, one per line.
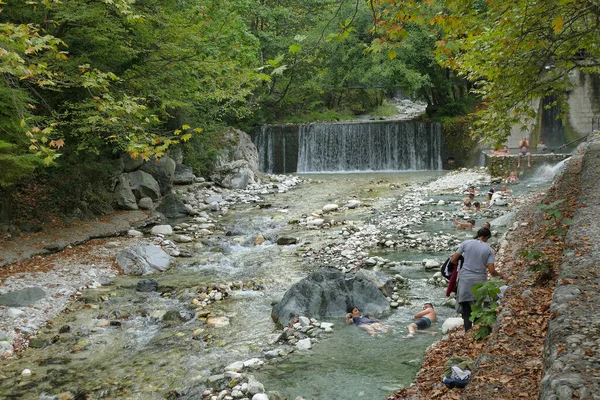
point(423, 320)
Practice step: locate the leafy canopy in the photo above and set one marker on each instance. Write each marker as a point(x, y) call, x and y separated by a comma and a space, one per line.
point(513, 52)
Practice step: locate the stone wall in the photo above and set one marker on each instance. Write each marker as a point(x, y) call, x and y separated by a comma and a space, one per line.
point(584, 103)
point(572, 348)
point(583, 115)
point(500, 166)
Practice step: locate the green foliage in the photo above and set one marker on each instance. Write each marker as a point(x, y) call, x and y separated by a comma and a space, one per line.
point(201, 150)
point(538, 261)
point(485, 309)
point(557, 225)
point(385, 110)
point(110, 76)
point(320, 116)
point(511, 56)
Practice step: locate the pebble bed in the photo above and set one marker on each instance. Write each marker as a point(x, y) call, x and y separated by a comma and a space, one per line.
point(396, 228)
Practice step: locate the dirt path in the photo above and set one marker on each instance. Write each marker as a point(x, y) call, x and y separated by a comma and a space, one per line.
point(53, 239)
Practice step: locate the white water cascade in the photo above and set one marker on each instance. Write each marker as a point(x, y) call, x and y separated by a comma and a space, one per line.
point(546, 172)
point(342, 147)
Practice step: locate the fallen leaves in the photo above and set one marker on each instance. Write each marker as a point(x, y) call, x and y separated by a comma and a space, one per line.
point(510, 360)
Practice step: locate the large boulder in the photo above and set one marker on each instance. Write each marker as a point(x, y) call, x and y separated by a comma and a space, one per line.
point(384, 283)
point(504, 220)
point(123, 196)
point(163, 170)
point(171, 206)
point(329, 293)
point(143, 184)
point(144, 259)
point(131, 164)
point(237, 166)
point(184, 175)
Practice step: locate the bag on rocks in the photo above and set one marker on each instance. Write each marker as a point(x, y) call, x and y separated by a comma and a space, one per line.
point(457, 372)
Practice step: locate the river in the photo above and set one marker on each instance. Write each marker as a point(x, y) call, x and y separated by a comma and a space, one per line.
point(141, 354)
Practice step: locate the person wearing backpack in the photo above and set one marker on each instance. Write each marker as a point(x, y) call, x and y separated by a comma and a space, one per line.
point(479, 260)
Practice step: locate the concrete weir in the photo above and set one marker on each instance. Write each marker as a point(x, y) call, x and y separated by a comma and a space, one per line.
point(572, 348)
point(502, 165)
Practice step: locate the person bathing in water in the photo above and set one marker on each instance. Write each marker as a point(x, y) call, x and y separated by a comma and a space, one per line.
point(423, 320)
point(370, 325)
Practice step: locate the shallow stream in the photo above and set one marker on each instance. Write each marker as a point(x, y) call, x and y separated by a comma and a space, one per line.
point(120, 347)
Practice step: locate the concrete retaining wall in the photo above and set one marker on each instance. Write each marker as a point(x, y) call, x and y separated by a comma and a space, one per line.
point(572, 348)
point(500, 166)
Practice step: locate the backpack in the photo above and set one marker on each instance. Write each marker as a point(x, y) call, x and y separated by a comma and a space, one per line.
point(447, 267)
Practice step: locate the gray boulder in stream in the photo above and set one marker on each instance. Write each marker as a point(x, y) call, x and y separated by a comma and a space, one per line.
point(328, 293)
point(144, 259)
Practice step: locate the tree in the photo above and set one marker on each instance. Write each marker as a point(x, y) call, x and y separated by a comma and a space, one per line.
point(512, 52)
point(113, 76)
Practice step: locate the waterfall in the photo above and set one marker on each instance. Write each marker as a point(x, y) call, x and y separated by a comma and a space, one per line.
point(373, 146)
point(545, 173)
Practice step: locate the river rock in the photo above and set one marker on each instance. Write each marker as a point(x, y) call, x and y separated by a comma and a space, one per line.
point(253, 363)
point(162, 230)
point(285, 241)
point(123, 196)
point(147, 285)
point(431, 264)
point(131, 164)
point(162, 170)
point(315, 222)
point(236, 167)
point(183, 239)
point(23, 297)
point(451, 324)
point(330, 207)
point(143, 185)
point(254, 386)
point(352, 204)
point(260, 239)
point(304, 344)
point(504, 220)
point(15, 313)
point(134, 233)
point(183, 175)
point(146, 203)
point(217, 322)
point(172, 206)
point(383, 282)
point(213, 198)
point(144, 259)
point(235, 367)
point(329, 293)
point(260, 396)
point(6, 348)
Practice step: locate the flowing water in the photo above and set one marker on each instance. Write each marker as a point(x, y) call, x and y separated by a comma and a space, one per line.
point(146, 356)
point(344, 147)
point(142, 355)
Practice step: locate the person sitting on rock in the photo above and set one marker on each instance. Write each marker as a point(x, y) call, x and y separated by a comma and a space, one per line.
point(423, 320)
point(524, 151)
point(370, 325)
point(468, 226)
